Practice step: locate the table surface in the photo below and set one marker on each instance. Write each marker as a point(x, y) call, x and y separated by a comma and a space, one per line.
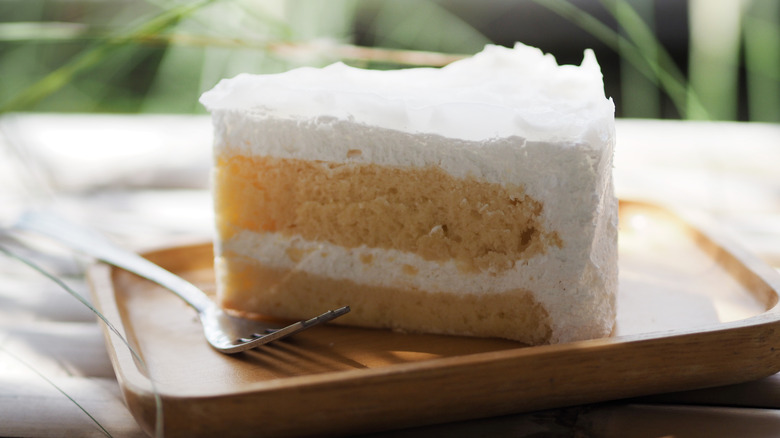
point(143, 180)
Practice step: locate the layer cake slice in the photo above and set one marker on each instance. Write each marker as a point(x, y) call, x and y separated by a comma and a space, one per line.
point(475, 199)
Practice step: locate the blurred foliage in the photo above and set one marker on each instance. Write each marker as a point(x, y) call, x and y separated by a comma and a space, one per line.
point(160, 55)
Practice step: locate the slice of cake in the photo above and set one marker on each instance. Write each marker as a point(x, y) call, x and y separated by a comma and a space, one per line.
point(475, 199)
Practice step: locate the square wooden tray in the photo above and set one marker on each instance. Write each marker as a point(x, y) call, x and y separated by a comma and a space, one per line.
point(694, 311)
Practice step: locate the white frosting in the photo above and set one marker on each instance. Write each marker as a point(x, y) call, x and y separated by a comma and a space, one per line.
point(500, 92)
point(507, 116)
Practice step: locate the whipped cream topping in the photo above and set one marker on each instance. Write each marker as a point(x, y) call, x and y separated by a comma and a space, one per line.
point(499, 92)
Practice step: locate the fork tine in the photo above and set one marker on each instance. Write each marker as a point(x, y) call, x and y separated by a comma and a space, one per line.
point(296, 327)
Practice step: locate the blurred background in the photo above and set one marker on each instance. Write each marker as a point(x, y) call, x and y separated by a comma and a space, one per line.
point(671, 59)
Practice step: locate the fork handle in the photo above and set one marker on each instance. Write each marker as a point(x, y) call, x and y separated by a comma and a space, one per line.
point(86, 241)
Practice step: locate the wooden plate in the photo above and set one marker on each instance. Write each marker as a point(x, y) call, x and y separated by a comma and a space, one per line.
point(694, 312)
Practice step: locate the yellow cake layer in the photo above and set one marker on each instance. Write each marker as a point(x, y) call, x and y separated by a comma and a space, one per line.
point(424, 211)
point(295, 294)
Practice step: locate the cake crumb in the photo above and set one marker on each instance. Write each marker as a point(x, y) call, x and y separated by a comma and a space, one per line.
point(410, 270)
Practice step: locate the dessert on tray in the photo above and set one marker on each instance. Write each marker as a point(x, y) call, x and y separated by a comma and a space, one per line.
point(475, 199)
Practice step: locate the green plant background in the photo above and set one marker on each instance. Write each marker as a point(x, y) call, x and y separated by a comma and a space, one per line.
point(695, 59)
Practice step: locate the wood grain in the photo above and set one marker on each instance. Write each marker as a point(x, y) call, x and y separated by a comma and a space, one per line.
point(334, 380)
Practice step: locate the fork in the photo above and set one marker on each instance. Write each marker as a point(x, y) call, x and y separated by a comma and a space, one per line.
point(226, 333)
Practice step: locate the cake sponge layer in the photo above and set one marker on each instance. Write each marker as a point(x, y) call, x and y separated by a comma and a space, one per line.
point(288, 293)
point(425, 211)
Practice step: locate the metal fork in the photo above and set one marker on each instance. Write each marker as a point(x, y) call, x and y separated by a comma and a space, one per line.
point(226, 333)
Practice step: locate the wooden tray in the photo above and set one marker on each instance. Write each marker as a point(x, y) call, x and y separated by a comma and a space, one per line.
point(693, 312)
